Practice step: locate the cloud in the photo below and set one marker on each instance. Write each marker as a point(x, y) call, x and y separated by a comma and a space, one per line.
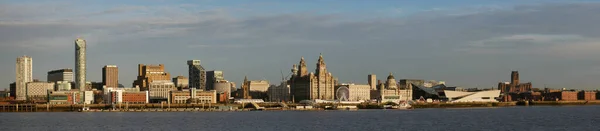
point(414, 44)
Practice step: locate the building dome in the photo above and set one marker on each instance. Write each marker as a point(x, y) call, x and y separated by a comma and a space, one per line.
point(391, 82)
point(391, 76)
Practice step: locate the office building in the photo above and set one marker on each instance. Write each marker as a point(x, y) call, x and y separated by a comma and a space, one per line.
point(65, 97)
point(317, 85)
point(13, 89)
point(150, 73)
point(373, 81)
point(38, 90)
point(280, 93)
point(110, 76)
point(359, 92)
point(80, 66)
point(212, 77)
point(197, 75)
point(24, 74)
point(62, 86)
point(193, 96)
point(159, 90)
point(223, 87)
point(181, 82)
point(60, 75)
point(125, 95)
point(258, 89)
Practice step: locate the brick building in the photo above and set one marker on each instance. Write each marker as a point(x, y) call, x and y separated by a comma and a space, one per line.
point(562, 96)
point(586, 95)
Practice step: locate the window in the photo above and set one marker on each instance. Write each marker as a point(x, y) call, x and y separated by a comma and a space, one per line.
point(485, 97)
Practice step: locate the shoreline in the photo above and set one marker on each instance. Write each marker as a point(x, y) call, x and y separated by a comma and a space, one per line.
point(269, 107)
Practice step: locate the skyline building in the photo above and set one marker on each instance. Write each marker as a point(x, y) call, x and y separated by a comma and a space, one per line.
point(60, 75)
point(24, 74)
point(181, 82)
point(39, 90)
point(197, 75)
point(514, 86)
point(355, 92)
point(213, 77)
point(373, 81)
point(150, 73)
point(110, 76)
point(317, 85)
point(279, 93)
point(80, 66)
point(159, 90)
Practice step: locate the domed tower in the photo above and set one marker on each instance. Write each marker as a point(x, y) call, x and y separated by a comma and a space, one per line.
point(391, 82)
point(321, 67)
point(302, 68)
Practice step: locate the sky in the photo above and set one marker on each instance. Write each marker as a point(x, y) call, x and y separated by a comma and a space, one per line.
point(467, 43)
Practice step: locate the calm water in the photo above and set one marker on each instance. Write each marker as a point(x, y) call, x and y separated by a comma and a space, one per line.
point(578, 118)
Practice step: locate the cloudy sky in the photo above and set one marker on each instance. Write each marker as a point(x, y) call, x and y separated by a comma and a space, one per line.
point(468, 43)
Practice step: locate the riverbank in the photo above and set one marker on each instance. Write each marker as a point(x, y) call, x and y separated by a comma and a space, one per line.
point(266, 106)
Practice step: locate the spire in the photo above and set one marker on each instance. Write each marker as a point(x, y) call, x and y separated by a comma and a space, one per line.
point(245, 79)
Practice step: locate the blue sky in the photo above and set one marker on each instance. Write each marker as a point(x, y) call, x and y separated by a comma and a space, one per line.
point(468, 43)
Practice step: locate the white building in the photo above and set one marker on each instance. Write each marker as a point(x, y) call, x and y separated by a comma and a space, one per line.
point(480, 96)
point(62, 86)
point(24, 74)
point(161, 89)
point(38, 90)
point(359, 92)
point(259, 86)
point(223, 86)
point(88, 97)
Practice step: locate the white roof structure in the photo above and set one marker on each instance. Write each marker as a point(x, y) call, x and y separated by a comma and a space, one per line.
point(480, 96)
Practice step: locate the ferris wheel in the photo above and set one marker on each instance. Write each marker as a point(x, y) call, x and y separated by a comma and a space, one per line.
point(342, 93)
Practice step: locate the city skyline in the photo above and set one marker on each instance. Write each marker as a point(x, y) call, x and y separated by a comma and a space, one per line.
point(468, 45)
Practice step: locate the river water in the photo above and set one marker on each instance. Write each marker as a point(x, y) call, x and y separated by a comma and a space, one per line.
point(538, 118)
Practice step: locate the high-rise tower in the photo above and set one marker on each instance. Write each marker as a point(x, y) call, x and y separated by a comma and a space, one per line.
point(197, 75)
point(24, 73)
point(80, 46)
point(373, 81)
point(110, 76)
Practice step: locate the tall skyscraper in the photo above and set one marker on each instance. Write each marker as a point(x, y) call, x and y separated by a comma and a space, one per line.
point(60, 75)
point(150, 73)
point(318, 85)
point(197, 75)
point(110, 76)
point(213, 77)
point(80, 46)
point(24, 74)
point(373, 81)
